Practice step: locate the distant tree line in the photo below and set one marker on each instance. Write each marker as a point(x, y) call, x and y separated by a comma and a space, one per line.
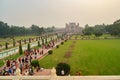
point(98, 30)
point(9, 31)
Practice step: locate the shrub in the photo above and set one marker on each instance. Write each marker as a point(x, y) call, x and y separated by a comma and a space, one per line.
point(62, 43)
point(35, 63)
point(66, 40)
point(57, 46)
point(62, 67)
point(105, 37)
point(50, 52)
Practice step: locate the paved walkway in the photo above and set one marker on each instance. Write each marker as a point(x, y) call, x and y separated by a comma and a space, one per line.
point(44, 72)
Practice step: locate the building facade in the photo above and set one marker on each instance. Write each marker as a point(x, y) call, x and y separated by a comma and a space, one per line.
point(73, 28)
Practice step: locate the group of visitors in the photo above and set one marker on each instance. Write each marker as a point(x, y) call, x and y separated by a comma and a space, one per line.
point(10, 68)
point(23, 63)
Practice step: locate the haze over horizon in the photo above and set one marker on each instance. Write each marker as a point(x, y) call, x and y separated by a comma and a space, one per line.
point(56, 13)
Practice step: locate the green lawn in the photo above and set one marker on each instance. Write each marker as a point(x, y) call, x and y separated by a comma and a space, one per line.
point(93, 36)
point(91, 57)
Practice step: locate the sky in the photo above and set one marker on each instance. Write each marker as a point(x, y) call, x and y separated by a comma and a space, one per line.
point(47, 13)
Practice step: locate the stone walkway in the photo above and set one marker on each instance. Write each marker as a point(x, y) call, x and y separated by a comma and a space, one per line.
point(44, 72)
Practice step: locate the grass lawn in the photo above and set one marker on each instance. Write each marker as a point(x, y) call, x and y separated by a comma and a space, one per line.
point(93, 36)
point(91, 57)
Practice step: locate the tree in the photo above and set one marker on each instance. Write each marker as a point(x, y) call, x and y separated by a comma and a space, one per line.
point(36, 38)
point(100, 28)
point(20, 49)
point(42, 41)
point(4, 30)
point(62, 67)
point(29, 40)
point(35, 63)
point(36, 30)
point(28, 47)
point(39, 44)
point(46, 40)
point(6, 45)
point(117, 22)
point(19, 42)
point(88, 31)
point(49, 29)
point(13, 42)
point(8, 31)
point(97, 34)
point(25, 41)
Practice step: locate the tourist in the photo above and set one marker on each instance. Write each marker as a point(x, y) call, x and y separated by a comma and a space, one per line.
point(30, 59)
point(30, 70)
point(21, 68)
point(18, 72)
point(1, 73)
point(37, 51)
point(8, 63)
point(23, 60)
point(26, 62)
point(19, 60)
point(5, 71)
point(35, 55)
point(42, 51)
point(14, 69)
point(10, 71)
point(26, 73)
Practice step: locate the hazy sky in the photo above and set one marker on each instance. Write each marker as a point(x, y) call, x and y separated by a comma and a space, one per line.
point(58, 12)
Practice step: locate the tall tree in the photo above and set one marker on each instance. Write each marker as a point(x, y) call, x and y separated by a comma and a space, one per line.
point(20, 49)
point(28, 47)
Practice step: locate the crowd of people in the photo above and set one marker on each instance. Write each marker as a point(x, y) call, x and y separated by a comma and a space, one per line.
point(23, 63)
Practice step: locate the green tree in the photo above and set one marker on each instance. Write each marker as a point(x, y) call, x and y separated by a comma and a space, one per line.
point(13, 42)
point(28, 47)
point(25, 41)
point(88, 31)
point(19, 42)
point(36, 30)
point(97, 34)
point(39, 44)
point(42, 41)
point(35, 63)
point(29, 40)
point(46, 40)
point(20, 49)
point(6, 45)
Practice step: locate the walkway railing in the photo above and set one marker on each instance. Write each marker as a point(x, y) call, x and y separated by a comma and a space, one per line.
point(59, 77)
point(11, 51)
